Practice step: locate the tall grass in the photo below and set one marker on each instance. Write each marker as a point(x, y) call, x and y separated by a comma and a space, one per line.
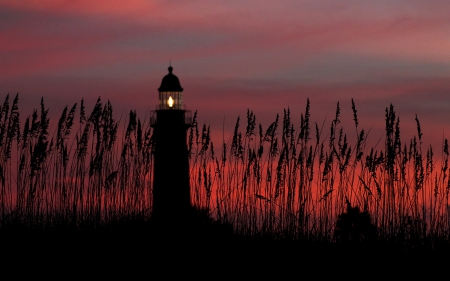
point(286, 181)
point(294, 182)
point(74, 174)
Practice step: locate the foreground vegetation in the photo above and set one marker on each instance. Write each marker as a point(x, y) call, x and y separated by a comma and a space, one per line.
point(300, 182)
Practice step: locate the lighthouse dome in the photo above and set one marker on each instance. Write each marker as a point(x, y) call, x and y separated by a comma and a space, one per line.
point(170, 83)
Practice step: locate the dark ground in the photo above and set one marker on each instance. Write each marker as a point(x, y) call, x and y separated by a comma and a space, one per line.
point(205, 252)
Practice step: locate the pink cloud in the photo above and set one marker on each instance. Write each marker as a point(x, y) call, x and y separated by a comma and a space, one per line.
point(231, 57)
point(243, 39)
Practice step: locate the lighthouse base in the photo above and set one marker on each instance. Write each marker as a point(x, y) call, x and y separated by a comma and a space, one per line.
point(171, 184)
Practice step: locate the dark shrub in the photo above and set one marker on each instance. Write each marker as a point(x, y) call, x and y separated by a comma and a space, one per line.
point(354, 226)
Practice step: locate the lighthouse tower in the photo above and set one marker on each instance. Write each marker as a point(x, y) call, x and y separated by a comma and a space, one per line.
point(171, 188)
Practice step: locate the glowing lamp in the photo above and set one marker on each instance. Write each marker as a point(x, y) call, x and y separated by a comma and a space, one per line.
point(170, 102)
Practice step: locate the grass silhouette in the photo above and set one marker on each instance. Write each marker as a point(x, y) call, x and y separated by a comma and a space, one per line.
point(298, 183)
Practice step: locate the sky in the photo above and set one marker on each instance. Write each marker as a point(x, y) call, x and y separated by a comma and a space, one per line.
point(231, 56)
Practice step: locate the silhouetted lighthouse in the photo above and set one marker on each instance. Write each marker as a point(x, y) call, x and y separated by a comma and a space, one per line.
point(171, 188)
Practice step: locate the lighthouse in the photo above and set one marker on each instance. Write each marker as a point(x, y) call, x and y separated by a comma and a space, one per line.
point(170, 121)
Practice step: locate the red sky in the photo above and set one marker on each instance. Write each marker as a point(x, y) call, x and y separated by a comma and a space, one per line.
point(230, 56)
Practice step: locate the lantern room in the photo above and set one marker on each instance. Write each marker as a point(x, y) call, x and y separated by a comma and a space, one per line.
point(170, 92)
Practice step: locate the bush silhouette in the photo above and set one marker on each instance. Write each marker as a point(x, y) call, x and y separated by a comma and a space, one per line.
point(354, 226)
